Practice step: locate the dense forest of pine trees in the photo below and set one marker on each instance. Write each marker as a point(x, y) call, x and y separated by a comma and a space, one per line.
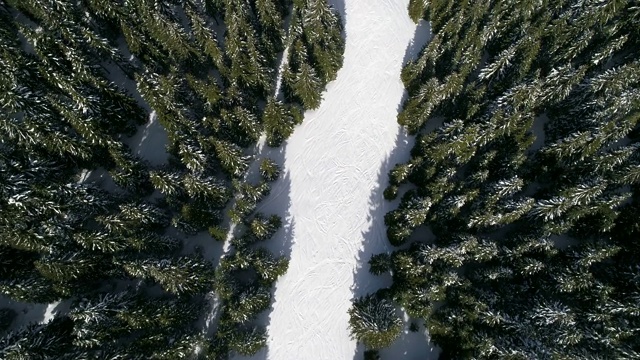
point(529, 183)
point(209, 70)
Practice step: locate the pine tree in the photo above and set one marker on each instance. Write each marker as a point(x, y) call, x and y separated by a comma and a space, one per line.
point(208, 188)
point(49, 340)
point(184, 275)
point(417, 9)
point(263, 228)
point(269, 170)
point(248, 342)
point(246, 305)
point(306, 87)
point(279, 121)
point(373, 321)
point(231, 157)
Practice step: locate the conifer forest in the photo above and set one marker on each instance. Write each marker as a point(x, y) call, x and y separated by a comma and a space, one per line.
point(529, 182)
point(207, 71)
point(511, 226)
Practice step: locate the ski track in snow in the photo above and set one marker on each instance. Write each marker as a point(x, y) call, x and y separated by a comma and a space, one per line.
point(335, 167)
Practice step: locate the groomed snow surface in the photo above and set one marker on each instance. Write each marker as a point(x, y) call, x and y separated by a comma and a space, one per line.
point(335, 168)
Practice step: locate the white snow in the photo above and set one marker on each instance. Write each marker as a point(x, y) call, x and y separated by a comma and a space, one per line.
point(49, 312)
point(330, 197)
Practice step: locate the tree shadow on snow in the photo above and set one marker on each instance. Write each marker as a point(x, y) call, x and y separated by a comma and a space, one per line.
point(410, 345)
point(277, 203)
point(26, 313)
point(340, 7)
point(421, 38)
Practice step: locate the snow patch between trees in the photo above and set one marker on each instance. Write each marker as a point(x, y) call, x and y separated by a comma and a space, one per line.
point(150, 142)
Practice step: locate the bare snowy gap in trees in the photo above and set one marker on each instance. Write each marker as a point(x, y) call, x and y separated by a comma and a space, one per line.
point(149, 142)
point(124, 49)
point(538, 131)
point(26, 45)
point(209, 321)
point(282, 60)
point(26, 313)
point(58, 308)
point(563, 241)
point(625, 141)
point(117, 76)
point(410, 345)
point(99, 177)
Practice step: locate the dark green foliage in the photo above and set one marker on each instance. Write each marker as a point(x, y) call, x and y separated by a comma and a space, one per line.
point(371, 355)
point(185, 347)
point(303, 86)
point(51, 340)
point(231, 158)
point(247, 304)
point(218, 233)
point(30, 288)
point(417, 9)
point(84, 210)
point(263, 228)
point(269, 170)
point(200, 215)
point(411, 214)
point(390, 192)
point(279, 121)
point(130, 323)
point(248, 342)
point(531, 256)
point(373, 321)
point(6, 318)
point(380, 264)
point(247, 198)
point(315, 54)
point(184, 275)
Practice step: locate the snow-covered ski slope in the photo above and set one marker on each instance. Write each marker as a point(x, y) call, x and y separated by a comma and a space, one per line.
point(330, 198)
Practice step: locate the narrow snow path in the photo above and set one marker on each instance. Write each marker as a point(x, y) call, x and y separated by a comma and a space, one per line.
point(333, 164)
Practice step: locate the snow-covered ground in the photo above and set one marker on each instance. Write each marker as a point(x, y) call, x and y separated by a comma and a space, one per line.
point(335, 168)
point(150, 142)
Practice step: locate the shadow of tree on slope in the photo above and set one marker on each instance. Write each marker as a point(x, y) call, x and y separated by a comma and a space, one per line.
point(277, 203)
point(340, 7)
point(410, 345)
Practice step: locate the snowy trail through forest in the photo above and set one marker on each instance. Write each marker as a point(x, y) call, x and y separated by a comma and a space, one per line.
point(333, 164)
